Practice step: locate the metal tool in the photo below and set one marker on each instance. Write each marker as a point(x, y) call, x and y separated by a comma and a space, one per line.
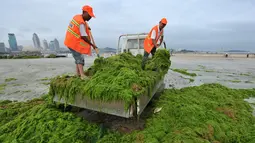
point(97, 51)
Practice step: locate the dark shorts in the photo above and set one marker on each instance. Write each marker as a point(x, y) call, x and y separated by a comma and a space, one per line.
point(79, 58)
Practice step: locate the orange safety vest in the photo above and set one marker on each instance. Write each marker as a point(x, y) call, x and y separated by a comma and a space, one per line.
point(148, 44)
point(73, 39)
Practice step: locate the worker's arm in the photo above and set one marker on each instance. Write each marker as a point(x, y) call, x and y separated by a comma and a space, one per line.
point(161, 39)
point(153, 37)
point(154, 43)
point(84, 35)
point(85, 38)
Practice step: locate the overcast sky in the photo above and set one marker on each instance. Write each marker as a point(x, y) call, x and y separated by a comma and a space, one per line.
point(192, 24)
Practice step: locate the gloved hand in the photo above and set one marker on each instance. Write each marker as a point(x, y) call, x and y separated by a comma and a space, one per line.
point(98, 55)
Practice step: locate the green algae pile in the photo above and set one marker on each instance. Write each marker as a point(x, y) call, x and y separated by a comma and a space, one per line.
point(210, 113)
point(37, 122)
point(204, 114)
point(118, 77)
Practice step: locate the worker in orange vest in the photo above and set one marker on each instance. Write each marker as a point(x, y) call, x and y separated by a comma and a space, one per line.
point(78, 38)
point(151, 42)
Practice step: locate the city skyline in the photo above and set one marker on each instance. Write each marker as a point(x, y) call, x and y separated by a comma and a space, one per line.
point(36, 41)
point(2, 47)
point(45, 44)
point(13, 43)
point(56, 45)
point(194, 24)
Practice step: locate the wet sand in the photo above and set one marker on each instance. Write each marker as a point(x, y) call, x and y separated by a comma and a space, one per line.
point(232, 72)
point(212, 55)
point(33, 74)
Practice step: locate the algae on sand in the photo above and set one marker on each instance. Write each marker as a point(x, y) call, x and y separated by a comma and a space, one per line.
point(10, 79)
point(35, 121)
point(2, 88)
point(115, 78)
point(185, 72)
point(206, 113)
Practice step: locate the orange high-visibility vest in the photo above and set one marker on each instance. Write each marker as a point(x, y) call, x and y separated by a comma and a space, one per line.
point(148, 44)
point(73, 39)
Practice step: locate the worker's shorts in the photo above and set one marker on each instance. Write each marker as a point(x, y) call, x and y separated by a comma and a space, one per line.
point(78, 57)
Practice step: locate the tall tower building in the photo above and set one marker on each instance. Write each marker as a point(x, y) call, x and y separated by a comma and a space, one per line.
point(36, 41)
point(52, 46)
point(12, 42)
point(20, 47)
point(45, 45)
point(56, 45)
point(2, 48)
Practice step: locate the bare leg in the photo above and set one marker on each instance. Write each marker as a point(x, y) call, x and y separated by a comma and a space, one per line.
point(77, 70)
point(80, 66)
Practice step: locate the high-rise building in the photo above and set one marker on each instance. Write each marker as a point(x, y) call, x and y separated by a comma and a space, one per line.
point(12, 42)
point(52, 46)
point(45, 45)
point(20, 47)
point(56, 45)
point(8, 50)
point(36, 41)
point(2, 48)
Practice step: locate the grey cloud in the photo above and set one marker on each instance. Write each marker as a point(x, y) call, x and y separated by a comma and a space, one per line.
point(193, 24)
point(245, 26)
point(43, 30)
point(230, 35)
point(24, 29)
point(20, 35)
point(3, 32)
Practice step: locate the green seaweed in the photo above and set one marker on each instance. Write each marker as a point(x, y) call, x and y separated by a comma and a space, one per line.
point(20, 57)
point(115, 78)
point(190, 79)
point(246, 74)
point(10, 79)
point(202, 67)
point(160, 62)
point(184, 71)
point(25, 91)
point(2, 88)
point(235, 81)
point(248, 81)
point(206, 113)
point(16, 84)
point(44, 79)
point(210, 71)
point(45, 83)
point(35, 121)
point(51, 56)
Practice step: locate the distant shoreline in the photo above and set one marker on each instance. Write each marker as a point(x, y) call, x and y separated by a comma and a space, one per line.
point(218, 55)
